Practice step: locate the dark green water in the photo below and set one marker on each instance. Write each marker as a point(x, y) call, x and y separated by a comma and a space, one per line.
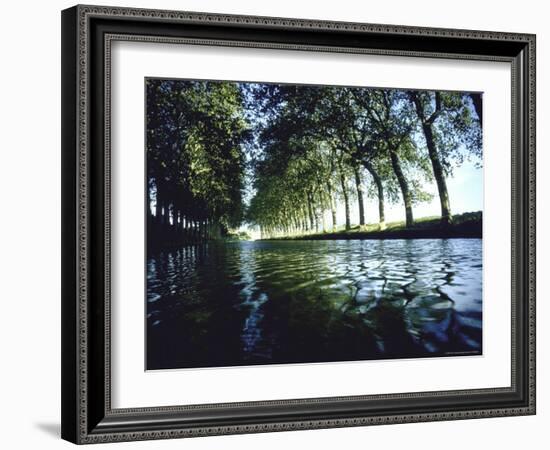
point(245, 303)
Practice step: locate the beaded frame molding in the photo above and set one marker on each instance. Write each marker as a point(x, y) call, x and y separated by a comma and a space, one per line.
point(87, 35)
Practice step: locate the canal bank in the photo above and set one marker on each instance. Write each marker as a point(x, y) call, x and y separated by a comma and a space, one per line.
point(467, 225)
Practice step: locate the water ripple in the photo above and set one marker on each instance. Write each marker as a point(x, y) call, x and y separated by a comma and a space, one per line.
point(305, 301)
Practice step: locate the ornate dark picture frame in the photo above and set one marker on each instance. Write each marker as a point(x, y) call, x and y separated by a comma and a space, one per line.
point(87, 34)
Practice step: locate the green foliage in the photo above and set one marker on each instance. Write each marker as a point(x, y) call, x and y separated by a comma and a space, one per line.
point(300, 149)
point(455, 124)
point(195, 135)
point(314, 135)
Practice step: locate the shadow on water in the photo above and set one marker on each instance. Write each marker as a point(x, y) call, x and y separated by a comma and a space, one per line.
point(242, 303)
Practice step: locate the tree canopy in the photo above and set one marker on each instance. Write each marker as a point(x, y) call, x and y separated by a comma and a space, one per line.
point(283, 157)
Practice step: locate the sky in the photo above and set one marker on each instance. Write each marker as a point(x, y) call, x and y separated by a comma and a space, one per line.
point(465, 189)
point(465, 193)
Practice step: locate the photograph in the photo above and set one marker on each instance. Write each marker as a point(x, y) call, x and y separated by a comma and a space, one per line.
point(283, 219)
point(299, 223)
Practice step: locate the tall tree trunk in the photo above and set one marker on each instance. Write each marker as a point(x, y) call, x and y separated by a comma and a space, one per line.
point(330, 190)
point(446, 216)
point(396, 166)
point(316, 218)
point(476, 100)
point(304, 218)
point(165, 214)
point(346, 198)
point(158, 206)
point(149, 215)
point(321, 212)
point(172, 215)
point(359, 188)
point(159, 213)
point(380, 189)
point(310, 211)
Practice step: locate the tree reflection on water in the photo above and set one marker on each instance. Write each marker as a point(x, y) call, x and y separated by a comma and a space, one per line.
point(273, 302)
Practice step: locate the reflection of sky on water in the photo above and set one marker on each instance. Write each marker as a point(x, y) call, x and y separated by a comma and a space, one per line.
point(252, 300)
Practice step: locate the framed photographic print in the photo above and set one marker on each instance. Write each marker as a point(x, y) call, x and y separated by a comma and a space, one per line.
point(278, 224)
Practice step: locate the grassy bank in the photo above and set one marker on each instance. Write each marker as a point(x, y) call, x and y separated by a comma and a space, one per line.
point(467, 225)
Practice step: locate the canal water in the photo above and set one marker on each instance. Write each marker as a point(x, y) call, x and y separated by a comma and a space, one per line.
point(274, 302)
